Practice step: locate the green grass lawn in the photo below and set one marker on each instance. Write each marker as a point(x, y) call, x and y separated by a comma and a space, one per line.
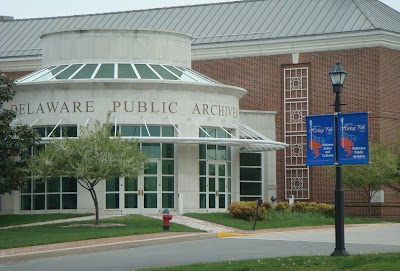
point(281, 220)
point(12, 220)
point(58, 233)
point(365, 262)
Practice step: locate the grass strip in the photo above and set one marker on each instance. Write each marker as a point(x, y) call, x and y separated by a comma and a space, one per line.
point(65, 232)
point(363, 262)
point(13, 220)
point(275, 220)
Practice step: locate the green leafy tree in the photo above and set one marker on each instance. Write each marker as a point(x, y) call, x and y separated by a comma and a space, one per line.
point(395, 185)
point(15, 141)
point(90, 158)
point(367, 179)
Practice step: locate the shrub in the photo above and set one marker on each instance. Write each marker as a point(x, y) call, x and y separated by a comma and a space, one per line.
point(327, 209)
point(246, 209)
point(267, 205)
point(281, 206)
point(313, 207)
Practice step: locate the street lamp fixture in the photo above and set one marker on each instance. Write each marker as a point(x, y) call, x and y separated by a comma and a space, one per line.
point(338, 74)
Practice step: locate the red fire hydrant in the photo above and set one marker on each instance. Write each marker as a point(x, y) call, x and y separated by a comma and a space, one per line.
point(166, 218)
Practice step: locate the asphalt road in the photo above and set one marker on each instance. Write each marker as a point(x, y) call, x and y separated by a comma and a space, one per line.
point(361, 239)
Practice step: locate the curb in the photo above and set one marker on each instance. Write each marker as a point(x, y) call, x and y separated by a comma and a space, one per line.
point(231, 234)
point(105, 247)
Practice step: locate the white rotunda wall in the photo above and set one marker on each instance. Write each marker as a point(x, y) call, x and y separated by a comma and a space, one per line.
point(116, 45)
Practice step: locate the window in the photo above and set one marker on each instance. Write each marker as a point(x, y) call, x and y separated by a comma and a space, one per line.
point(250, 176)
point(58, 193)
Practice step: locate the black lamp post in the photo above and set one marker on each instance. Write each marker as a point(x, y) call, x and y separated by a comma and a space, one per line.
point(338, 74)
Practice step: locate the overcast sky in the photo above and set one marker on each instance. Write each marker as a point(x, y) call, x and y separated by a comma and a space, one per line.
point(20, 9)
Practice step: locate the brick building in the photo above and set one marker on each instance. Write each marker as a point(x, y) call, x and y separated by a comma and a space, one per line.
point(280, 52)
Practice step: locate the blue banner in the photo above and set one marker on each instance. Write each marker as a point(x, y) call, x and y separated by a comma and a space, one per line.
point(352, 132)
point(320, 140)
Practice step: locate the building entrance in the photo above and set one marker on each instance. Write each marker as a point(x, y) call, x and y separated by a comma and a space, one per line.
point(140, 195)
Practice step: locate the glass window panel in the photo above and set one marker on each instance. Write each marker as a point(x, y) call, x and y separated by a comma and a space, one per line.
point(211, 184)
point(167, 131)
point(221, 153)
point(50, 74)
point(129, 130)
point(112, 185)
point(126, 71)
point(197, 77)
point(167, 150)
point(105, 71)
point(220, 133)
point(203, 184)
point(249, 198)
point(211, 149)
point(248, 188)
point(202, 151)
point(41, 131)
point(167, 166)
point(32, 76)
point(86, 72)
point(151, 168)
point(164, 73)
point(69, 184)
point(69, 201)
point(229, 200)
point(150, 200)
point(131, 183)
point(70, 131)
point(229, 185)
point(144, 131)
point(26, 202)
point(55, 133)
point(250, 159)
point(26, 187)
point(154, 130)
point(168, 183)
point(131, 200)
point(152, 150)
point(150, 183)
point(203, 201)
point(145, 72)
point(168, 200)
point(182, 76)
point(229, 169)
point(221, 201)
point(211, 169)
point(203, 167)
point(53, 185)
point(38, 186)
point(212, 132)
point(38, 202)
point(53, 201)
point(68, 72)
point(221, 170)
point(112, 201)
point(221, 184)
point(211, 201)
point(250, 174)
point(202, 133)
point(229, 153)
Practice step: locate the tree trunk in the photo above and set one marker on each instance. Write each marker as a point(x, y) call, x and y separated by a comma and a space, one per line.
point(96, 205)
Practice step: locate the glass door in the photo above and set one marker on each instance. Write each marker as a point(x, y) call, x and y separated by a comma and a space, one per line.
point(142, 194)
point(217, 185)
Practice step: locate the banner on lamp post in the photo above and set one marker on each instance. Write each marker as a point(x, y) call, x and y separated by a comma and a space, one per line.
point(320, 140)
point(352, 132)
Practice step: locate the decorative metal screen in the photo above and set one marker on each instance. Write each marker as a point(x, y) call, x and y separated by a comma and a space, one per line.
point(295, 111)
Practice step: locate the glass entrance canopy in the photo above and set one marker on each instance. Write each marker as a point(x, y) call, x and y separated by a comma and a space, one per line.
point(123, 71)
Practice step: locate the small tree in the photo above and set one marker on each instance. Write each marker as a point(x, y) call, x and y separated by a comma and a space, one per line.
point(395, 185)
point(90, 158)
point(367, 179)
point(15, 141)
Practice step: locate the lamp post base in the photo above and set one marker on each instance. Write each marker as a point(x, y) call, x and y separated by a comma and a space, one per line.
point(340, 252)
